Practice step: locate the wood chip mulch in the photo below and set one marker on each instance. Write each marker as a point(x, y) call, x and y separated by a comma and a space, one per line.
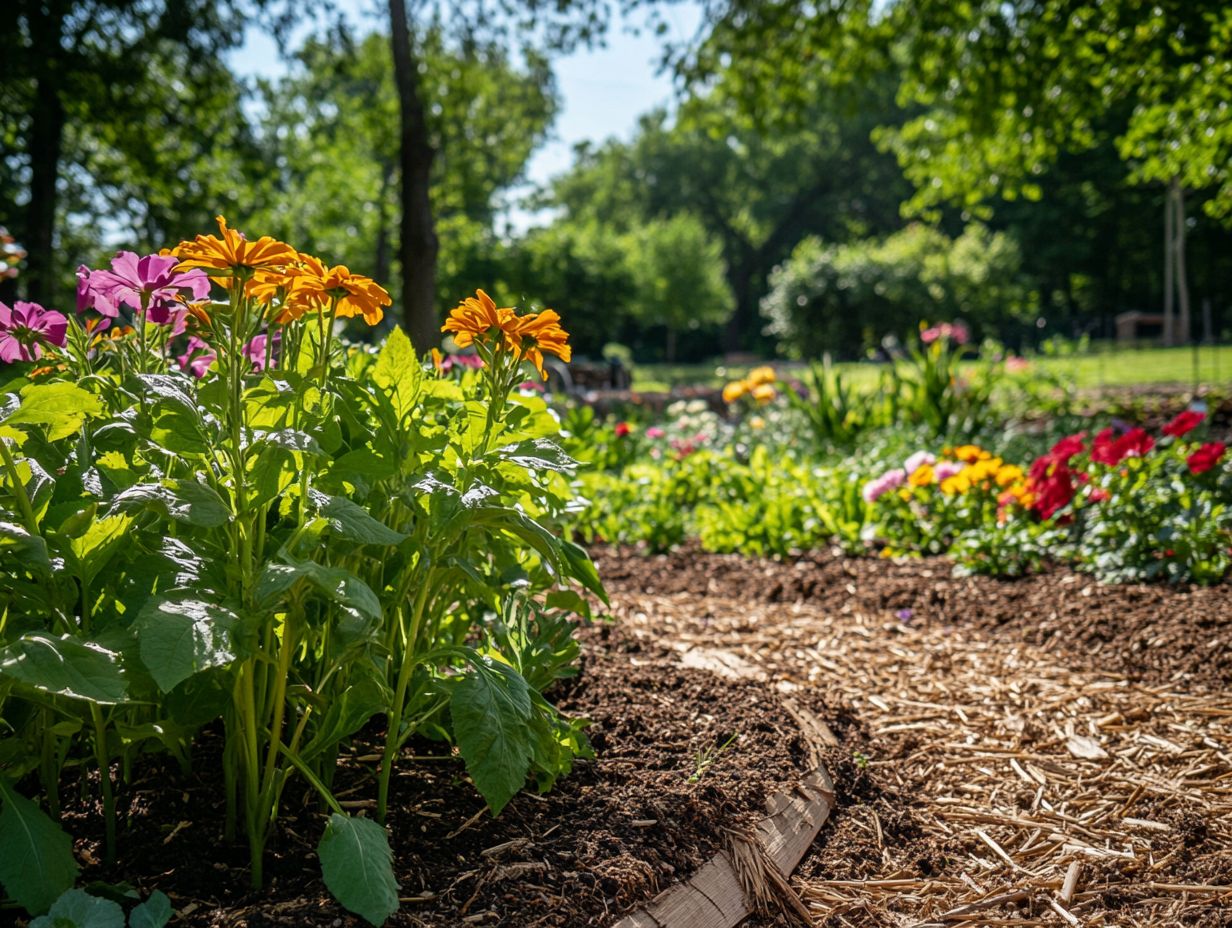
point(1003, 760)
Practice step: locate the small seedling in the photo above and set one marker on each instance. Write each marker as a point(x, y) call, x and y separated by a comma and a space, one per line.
point(706, 758)
point(861, 760)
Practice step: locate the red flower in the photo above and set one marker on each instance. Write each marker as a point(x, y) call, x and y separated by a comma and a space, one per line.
point(623, 429)
point(1067, 447)
point(1051, 490)
point(1110, 450)
point(1184, 423)
point(1098, 495)
point(1206, 457)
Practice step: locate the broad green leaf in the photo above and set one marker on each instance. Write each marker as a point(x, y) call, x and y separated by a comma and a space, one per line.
point(155, 912)
point(398, 371)
point(182, 637)
point(78, 909)
point(29, 550)
point(181, 500)
point(65, 666)
point(340, 585)
point(61, 407)
point(539, 454)
point(36, 856)
point(348, 711)
point(491, 709)
point(101, 540)
point(358, 867)
point(350, 520)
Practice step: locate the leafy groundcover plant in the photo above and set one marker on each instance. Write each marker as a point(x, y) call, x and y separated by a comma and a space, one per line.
point(215, 512)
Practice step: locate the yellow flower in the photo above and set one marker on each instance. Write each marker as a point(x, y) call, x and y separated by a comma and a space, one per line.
point(734, 390)
point(757, 422)
point(763, 392)
point(922, 476)
point(982, 470)
point(905, 495)
point(476, 317)
point(232, 252)
point(969, 454)
point(536, 333)
point(312, 286)
point(761, 375)
point(1009, 474)
point(956, 485)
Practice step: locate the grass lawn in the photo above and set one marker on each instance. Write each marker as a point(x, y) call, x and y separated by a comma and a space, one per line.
point(1107, 365)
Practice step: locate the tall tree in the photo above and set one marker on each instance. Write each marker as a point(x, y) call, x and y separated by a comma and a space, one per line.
point(81, 63)
point(537, 26)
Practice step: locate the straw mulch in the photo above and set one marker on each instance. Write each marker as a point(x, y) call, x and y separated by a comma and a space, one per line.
point(982, 780)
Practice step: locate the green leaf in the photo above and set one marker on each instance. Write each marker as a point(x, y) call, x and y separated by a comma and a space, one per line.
point(36, 856)
point(29, 550)
point(340, 585)
point(181, 500)
point(78, 909)
point(358, 867)
point(65, 666)
point(182, 637)
point(61, 407)
point(539, 454)
point(350, 520)
point(101, 540)
point(397, 370)
point(155, 912)
point(491, 709)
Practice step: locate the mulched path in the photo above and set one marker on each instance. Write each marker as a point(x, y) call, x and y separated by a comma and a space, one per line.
point(998, 739)
point(608, 837)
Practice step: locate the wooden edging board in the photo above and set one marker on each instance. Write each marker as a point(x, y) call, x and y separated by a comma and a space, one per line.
point(713, 897)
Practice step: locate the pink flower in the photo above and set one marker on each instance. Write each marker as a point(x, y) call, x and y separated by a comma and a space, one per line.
point(918, 460)
point(1017, 365)
point(197, 357)
point(947, 469)
point(26, 328)
point(655, 432)
point(955, 332)
point(255, 350)
point(878, 487)
point(150, 284)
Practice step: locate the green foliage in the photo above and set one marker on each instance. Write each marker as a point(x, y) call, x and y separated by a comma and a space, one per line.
point(36, 856)
point(358, 867)
point(845, 299)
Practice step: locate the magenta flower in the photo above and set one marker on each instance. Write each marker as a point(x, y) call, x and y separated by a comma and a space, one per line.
point(255, 350)
point(197, 357)
point(90, 296)
point(26, 328)
point(150, 283)
point(955, 332)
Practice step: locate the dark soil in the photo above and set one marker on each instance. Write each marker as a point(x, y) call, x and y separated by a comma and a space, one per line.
point(1149, 632)
point(607, 838)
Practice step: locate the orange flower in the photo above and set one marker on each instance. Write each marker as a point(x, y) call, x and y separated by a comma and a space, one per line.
point(232, 252)
point(478, 315)
point(313, 286)
point(536, 333)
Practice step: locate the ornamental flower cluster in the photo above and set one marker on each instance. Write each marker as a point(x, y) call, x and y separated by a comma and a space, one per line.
point(957, 472)
point(759, 386)
point(1057, 478)
point(493, 329)
point(954, 332)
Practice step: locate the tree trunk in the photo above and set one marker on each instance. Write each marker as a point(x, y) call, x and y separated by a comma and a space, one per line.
point(44, 147)
point(418, 245)
point(741, 281)
point(381, 260)
point(1182, 283)
point(1169, 255)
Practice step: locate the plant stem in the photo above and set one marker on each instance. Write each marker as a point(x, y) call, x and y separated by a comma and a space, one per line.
point(19, 489)
point(104, 772)
point(393, 732)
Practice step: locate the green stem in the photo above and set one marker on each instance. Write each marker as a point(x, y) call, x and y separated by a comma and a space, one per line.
point(19, 489)
point(393, 732)
point(104, 773)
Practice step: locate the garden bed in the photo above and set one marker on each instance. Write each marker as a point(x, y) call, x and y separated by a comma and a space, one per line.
point(1046, 751)
point(617, 831)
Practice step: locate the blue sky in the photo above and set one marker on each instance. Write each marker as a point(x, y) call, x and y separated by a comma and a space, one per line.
point(603, 90)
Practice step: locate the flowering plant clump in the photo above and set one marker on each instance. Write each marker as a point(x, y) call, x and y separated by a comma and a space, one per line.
point(214, 509)
point(758, 388)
